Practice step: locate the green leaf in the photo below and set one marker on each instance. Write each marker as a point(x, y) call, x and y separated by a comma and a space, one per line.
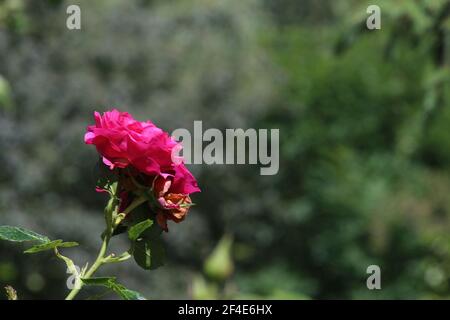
point(43, 247)
point(68, 244)
point(20, 235)
point(147, 248)
point(152, 233)
point(135, 231)
point(99, 281)
point(149, 254)
point(111, 283)
point(51, 245)
point(127, 294)
point(143, 213)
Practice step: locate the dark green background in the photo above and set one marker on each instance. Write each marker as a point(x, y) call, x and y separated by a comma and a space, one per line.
point(364, 141)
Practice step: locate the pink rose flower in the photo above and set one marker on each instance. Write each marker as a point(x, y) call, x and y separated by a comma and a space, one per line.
point(124, 142)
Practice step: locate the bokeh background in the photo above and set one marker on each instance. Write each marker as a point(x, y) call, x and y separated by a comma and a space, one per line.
point(364, 141)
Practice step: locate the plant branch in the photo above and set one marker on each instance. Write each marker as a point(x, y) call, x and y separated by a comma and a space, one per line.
point(110, 211)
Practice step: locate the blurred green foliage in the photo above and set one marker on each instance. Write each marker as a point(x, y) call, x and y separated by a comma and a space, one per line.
point(364, 141)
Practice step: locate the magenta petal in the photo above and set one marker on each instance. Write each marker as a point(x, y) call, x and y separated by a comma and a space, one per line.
point(123, 141)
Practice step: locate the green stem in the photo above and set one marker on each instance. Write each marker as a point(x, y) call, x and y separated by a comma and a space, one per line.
point(136, 203)
point(101, 259)
point(98, 262)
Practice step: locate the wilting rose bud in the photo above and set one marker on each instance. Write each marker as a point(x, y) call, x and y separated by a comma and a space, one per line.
point(173, 206)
